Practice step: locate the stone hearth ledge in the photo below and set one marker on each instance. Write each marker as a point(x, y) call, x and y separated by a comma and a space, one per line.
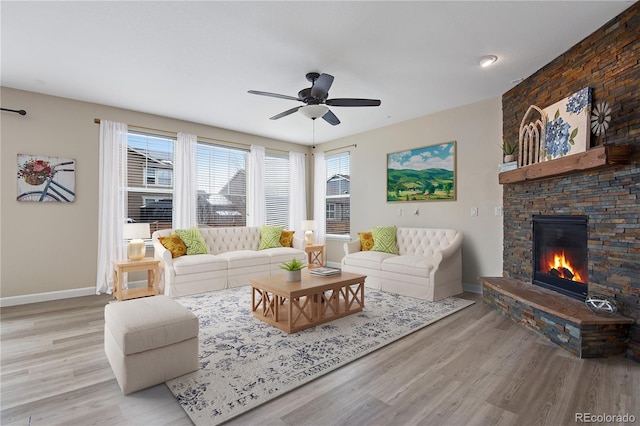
point(564, 321)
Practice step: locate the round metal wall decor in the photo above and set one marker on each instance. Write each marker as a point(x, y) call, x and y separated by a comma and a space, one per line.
point(601, 304)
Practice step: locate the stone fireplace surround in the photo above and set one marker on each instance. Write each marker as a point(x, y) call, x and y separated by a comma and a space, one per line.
point(608, 198)
point(606, 61)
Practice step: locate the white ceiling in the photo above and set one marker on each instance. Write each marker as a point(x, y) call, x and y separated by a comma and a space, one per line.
point(195, 61)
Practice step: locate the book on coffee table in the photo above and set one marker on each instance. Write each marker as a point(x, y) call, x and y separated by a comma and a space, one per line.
point(325, 271)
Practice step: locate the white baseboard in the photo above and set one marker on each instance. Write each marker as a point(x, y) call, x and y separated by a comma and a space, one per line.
point(45, 297)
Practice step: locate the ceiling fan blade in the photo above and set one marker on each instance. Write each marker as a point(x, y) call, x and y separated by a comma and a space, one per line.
point(284, 114)
point(273, 95)
point(321, 86)
point(353, 102)
point(331, 118)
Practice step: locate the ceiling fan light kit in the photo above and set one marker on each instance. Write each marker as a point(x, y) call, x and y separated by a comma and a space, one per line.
point(313, 111)
point(315, 100)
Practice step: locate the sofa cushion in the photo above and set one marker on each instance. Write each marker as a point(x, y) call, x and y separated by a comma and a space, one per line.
point(286, 238)
point(366, 240)
point(174, 244)
point(384, 239)
point(193, 240)
point(418, 266)
point(270, 237)
point(284, 254)
point(198, 263)
point(245, 258)
point(367, 259)
point(231, 238)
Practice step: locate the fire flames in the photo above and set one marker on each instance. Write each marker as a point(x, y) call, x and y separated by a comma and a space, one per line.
point(560, 267)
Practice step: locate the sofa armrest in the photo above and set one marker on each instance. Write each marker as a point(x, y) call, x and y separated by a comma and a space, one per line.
point(166, 263)
point(352, 246)
point(449, 251)
point(298, 243)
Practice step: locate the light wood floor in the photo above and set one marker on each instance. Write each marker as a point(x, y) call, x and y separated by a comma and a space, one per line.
point(475, 367)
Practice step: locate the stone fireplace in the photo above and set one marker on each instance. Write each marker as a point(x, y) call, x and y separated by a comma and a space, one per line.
point(609, 197)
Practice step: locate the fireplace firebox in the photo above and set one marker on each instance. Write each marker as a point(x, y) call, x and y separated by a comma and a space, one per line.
point(560, 254)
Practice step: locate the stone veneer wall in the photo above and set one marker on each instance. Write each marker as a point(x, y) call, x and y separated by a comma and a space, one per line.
point(608, 62)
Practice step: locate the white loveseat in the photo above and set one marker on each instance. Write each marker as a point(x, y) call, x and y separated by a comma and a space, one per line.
point(428, 264)
point(232, 260)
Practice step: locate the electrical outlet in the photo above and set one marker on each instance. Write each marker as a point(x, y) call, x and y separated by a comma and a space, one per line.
point(474, 211)
point(498, 211)
point(398, 212)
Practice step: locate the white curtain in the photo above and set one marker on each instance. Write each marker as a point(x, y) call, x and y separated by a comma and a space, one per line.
point(319, 195)
point(297, 192)
point(257, 213)
point(112, 201)
point(185, 189)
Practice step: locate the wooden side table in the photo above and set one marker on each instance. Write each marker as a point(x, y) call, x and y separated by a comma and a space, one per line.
point(315, 253)
point(149, 264)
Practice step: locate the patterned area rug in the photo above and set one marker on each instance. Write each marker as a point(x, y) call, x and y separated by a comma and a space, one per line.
point(245, 362)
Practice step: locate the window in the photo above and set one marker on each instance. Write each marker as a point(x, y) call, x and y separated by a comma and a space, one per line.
point(150, 179)
point(160, 177)
point(276, 189)
point(222, 185)
point(338, 195)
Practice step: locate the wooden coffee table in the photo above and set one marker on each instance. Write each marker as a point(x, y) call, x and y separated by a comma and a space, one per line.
point(294, 306)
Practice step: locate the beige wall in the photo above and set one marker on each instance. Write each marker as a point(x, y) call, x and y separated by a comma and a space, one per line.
point(53, 247)
point(477, 128)
point(49, 248)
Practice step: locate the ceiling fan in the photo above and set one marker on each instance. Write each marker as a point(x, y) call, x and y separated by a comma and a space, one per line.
point(315, 99)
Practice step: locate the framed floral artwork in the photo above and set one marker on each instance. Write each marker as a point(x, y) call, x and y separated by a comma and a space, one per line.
point(46, 179)
point(567, 126)
point(422, 174)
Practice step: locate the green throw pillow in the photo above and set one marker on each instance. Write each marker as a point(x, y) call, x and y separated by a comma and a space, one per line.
point(384, 239)
point(193, 240)
point(270, 237)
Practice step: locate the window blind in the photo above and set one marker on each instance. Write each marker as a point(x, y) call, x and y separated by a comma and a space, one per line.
point(276, 189)
point(338, 194)
point(150, 179)
point(222, 185)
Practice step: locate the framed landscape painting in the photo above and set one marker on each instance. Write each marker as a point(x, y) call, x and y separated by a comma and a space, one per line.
point(422, 174)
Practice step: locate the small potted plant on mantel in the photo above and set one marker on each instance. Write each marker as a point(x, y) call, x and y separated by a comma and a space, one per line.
point(509, 151)
point(293, 269)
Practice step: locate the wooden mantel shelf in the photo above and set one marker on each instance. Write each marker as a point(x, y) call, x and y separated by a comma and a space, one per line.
point(593, 158)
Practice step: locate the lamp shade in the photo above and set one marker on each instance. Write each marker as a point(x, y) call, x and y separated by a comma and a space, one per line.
point(134, 231)
point(314, 111)
point(308, 225)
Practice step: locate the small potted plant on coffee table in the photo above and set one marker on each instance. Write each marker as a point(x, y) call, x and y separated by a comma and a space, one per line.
point(293, 269)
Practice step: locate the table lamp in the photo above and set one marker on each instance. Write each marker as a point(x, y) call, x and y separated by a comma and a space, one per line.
point(308, 226)
point(136, 233)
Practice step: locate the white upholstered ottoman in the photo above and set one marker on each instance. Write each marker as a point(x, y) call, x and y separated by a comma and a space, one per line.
point(149, 341)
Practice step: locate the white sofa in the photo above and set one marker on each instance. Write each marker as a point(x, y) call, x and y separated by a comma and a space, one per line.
point(232, 260)
point(428, 264)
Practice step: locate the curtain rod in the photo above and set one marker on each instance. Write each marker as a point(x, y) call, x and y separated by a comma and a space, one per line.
point(355, 145)
point(97, 121)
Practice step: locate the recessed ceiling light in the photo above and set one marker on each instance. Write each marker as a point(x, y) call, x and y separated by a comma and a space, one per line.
point(485, 61)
